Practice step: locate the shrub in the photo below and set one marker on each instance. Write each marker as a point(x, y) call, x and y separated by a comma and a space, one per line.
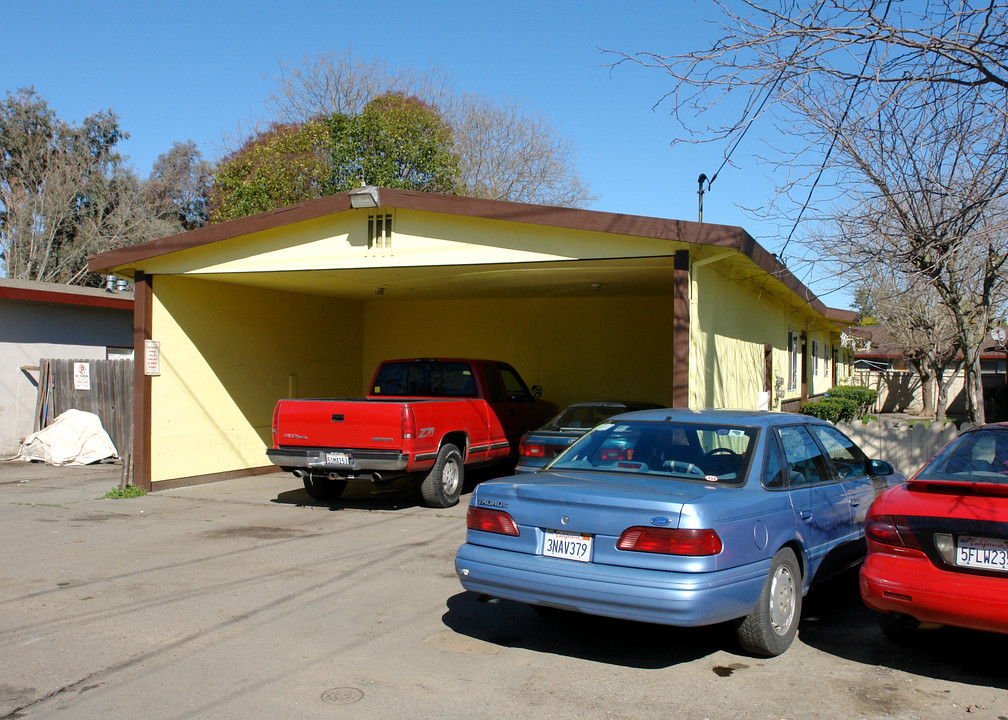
point(863, 397)
point(833, 409)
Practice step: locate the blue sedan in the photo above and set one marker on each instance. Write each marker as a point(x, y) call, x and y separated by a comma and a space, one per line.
point(682, 518)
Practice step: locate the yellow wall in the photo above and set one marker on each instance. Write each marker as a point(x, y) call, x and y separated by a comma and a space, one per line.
point(729, 325)
point(576, 349)
point(227, 354)
point(419, 238)
point(820, 371)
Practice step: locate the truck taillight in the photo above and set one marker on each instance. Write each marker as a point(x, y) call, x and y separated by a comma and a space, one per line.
point(670, 541)
point(276, 435)
point(531, 450)
point(408, 423)
point(492, 521)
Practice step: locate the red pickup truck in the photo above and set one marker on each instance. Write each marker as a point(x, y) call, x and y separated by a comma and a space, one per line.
point(427, 417)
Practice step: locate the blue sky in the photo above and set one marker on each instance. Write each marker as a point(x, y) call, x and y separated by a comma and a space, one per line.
point(194, 70)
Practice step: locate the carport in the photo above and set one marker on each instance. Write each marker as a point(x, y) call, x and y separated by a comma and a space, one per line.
point(304, 301)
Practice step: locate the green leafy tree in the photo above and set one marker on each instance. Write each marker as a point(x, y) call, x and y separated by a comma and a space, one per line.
point(395, 141)
point(286, 164)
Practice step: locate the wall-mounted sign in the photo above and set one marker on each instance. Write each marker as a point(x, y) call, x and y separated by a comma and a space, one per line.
point(82, 376)
point(152, 357)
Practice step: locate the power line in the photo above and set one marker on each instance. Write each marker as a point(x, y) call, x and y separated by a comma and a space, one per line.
point(762, 104)
point(836, 134)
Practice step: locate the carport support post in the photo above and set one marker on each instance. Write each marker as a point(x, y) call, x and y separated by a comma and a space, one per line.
point(143, 300)
point(681, 330)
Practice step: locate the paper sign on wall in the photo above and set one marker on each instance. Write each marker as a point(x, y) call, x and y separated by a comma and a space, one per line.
point(152, 357)
point(82, 376)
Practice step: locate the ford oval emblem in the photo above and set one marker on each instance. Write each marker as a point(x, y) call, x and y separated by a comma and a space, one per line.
point(660, 521)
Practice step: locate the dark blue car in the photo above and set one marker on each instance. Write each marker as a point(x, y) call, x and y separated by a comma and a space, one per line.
point(540, 446)
point(679, 517)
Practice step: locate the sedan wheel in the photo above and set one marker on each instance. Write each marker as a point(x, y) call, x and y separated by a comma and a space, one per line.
point(771, 626)
point(782, 600)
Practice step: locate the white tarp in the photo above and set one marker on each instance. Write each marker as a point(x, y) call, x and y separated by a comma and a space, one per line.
point(74, 438)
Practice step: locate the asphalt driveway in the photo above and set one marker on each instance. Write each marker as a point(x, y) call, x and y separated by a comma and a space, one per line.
point(245, 599)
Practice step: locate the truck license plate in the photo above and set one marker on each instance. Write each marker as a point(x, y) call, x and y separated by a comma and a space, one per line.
point(569, 546)
point(338, 458)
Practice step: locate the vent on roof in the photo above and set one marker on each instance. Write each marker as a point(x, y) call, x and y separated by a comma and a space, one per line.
point(380, 231)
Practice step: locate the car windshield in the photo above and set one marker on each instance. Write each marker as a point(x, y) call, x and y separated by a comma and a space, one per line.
point(979, 456)
point(583, 417)
point(690, 451)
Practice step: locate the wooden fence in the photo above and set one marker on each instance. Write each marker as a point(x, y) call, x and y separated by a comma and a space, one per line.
point(103, 387)
point(905, 447)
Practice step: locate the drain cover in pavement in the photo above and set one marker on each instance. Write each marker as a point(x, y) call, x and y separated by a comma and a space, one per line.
point(342, 695)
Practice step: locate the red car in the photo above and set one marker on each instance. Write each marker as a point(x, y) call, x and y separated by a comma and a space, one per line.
point(938, 544)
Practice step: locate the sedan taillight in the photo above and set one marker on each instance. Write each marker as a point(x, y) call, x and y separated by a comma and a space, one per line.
point(670, 541)
point(492, 521)
point(532, 450)
point(891, 533)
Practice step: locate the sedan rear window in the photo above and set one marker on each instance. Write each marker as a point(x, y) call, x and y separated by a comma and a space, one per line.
point(579, 417)
point(688, 451)
point(980, 456)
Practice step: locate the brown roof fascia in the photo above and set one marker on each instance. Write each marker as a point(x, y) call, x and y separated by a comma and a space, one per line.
point(55, 297)
point(222, 231)
point(727, 236)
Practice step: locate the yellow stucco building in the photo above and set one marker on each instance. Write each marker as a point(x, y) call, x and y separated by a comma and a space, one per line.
point(305, 301)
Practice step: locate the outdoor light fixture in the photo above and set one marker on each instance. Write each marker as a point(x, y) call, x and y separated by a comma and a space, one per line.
point(595, 287)
point(365, 197)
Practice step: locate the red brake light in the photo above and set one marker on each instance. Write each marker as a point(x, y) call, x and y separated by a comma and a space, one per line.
point(892, 532)
point(492, 521)
point(531, 450)
point(670, 541)
point(276, 435)
point(408, 422)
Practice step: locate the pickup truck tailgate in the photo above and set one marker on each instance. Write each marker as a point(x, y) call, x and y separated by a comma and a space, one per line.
point(341, 423)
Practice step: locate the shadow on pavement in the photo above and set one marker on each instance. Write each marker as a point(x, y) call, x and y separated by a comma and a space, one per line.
point(836, 621)
point(359, 496)
point(599, 639)
point(399, 494)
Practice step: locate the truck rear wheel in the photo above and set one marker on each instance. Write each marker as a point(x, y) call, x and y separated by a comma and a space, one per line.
point(321, 488)
point(443, 484)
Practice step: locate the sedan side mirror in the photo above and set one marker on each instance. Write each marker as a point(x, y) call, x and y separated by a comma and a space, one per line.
point(881, 467)
point(537, 391)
